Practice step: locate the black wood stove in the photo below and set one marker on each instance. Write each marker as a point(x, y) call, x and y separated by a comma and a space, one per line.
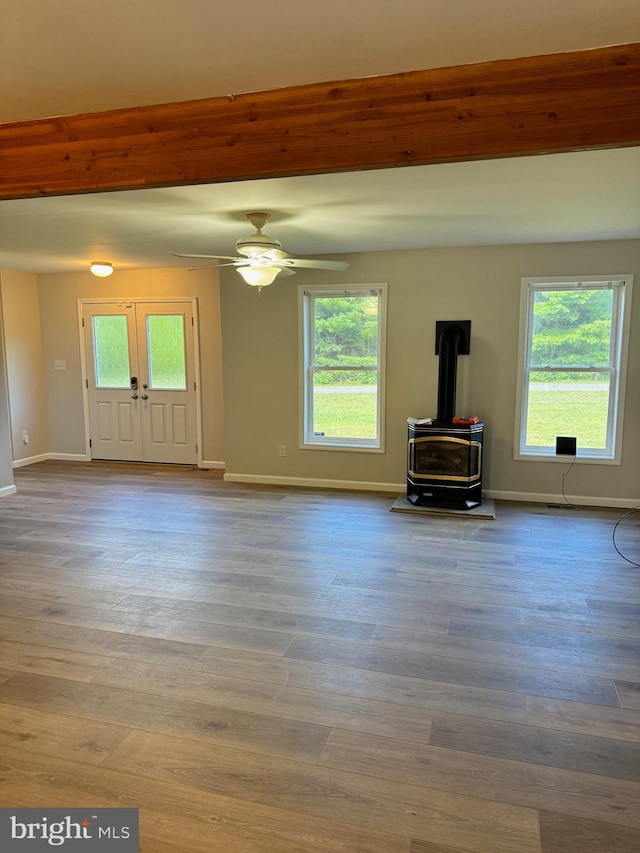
point(444, 458)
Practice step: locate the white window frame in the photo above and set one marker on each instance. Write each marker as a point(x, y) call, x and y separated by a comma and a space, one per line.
point(306, 296)
point(620, 321)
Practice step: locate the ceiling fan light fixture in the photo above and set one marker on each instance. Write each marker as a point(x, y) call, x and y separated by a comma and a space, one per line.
point(257, 244)
point(102, 269)
point(258, 276)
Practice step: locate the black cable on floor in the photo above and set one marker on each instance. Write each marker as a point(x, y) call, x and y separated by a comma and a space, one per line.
point(566, 500)
point(626, 515)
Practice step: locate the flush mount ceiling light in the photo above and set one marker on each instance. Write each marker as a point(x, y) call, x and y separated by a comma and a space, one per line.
point(101, 268)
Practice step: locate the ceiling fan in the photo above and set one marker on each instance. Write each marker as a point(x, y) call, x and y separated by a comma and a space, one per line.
point(261, 258)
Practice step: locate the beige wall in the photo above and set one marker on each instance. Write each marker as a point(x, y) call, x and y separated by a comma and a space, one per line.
point(6, 462)
point(59, 294)
point(25, 375)
point(260, 362)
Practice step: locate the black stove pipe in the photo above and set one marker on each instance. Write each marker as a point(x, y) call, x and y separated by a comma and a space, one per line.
point(448, 349)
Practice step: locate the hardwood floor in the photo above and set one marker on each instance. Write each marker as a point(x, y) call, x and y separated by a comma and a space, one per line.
point(264, 670)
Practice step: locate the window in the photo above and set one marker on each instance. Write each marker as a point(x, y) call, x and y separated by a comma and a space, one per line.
point(343, 355)
point(573, 359)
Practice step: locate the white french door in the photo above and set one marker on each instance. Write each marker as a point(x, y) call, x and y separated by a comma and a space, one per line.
point(141, 381)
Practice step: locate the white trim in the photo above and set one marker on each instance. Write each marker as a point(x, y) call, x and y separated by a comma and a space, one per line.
point(42, 457)
point(195, 340)
point(205, 464)
point(119, 300)
point(30, 460)
point(312, 483)
point(578, 500)
point(84, 377)
point(305, 388)
point(351, 448)
point(401, 488)
point(195, 343)
point(70, 457)
point(566, 460)
point(621, 322)
point(355, 485)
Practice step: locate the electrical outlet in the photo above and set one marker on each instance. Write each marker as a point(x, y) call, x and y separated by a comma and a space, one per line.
point(282, 450)
point(25, 436)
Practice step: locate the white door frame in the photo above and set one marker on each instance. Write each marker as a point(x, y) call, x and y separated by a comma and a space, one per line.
point(193, 301)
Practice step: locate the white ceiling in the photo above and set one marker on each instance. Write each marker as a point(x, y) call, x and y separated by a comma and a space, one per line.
point(72, 56)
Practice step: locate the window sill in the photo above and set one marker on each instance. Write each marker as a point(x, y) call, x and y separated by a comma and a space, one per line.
point(354, 448)
point(566, 460)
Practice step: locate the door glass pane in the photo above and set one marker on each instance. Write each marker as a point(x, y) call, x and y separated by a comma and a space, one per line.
point(345, 403)
point(111, 351)
point(166, 344)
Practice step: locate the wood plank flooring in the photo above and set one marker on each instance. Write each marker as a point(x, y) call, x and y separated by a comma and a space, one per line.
point(270, 670)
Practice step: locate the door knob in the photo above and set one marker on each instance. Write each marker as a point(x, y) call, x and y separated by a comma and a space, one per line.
point(145, 396)
point(134, 396)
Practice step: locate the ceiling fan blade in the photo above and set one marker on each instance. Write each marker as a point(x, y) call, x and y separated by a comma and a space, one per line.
point(259, 250)
point(275, 254)
point(236, 264)
point(210, 257)
point(311, 263)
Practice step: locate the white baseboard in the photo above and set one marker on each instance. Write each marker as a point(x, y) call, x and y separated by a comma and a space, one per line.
point(308, 483)
point(577, 500)
point(400, 488)
point(30, 460)
point(7, 490)
point(42, 457)
point(70, 457)
point(353, 485)
point(84, 457)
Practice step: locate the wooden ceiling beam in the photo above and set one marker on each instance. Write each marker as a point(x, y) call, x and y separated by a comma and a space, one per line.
point(533, 105)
